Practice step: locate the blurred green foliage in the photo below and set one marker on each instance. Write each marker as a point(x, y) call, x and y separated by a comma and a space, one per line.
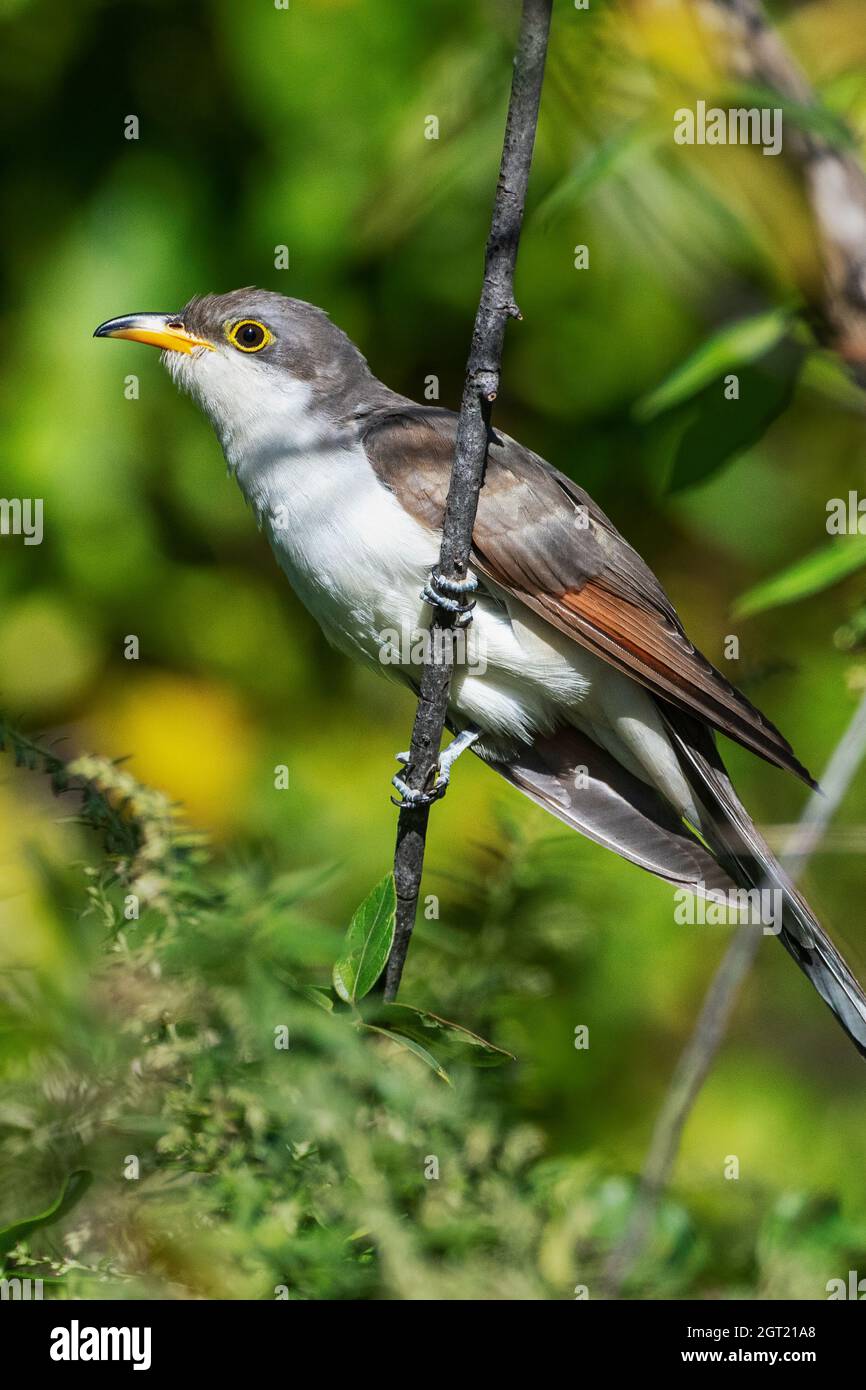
point(305, 128)
point(187, 1113)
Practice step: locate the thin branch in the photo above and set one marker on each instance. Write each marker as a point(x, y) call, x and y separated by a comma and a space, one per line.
point(751, 49)
point(496, 306)
point(700, 1051)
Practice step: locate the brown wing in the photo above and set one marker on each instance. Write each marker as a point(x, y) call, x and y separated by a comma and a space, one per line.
point(542, 539)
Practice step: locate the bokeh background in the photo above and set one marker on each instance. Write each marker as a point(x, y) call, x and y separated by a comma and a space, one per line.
point(305, 128)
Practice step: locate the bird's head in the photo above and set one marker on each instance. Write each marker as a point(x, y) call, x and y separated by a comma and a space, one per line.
point(261, 365)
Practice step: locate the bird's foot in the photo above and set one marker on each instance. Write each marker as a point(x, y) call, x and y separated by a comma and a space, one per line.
point(410, 797)
point(437, 779)
point(451, 596)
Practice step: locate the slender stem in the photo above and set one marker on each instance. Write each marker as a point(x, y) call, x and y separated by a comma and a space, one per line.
point(752, 50)
point(496, 306)
point(700, 1051)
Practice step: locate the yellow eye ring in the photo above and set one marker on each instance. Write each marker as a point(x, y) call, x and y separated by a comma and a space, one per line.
point(248, 335)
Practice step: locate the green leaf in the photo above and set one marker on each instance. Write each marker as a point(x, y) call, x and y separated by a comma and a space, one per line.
point(423, 1026)
point(718, 429)
point(808, 576)
point(410, 1045)
point(71, 1192)
point(733, 345)
point(318, 995)
point(368, 943)
point(825, 373)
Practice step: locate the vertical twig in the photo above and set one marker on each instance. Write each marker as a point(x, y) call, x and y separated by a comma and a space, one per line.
point(699, 1053)
point(496, 306)
point(747, 44)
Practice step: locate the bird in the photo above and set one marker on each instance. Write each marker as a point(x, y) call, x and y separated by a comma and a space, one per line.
point(579, 685)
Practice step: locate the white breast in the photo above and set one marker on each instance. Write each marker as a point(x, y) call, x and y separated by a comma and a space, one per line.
point(354, 556)
point(358, 561)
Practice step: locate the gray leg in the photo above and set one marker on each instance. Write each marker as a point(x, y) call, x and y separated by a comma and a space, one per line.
point(447, 759)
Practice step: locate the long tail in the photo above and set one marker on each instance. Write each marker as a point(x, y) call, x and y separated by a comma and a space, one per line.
point(740, 849)
point(614, 808)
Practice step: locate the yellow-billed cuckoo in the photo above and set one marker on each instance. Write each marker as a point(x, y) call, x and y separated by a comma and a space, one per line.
point(579, 686)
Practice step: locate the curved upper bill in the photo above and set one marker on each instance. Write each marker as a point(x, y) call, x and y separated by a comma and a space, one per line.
point(160, 330)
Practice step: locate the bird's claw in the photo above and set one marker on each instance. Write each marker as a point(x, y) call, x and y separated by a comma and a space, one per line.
point(409, 796)
point(437, 779)
point(451, 596)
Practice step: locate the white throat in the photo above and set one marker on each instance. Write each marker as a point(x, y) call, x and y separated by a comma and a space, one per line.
point(354, 556)
point(257, 410)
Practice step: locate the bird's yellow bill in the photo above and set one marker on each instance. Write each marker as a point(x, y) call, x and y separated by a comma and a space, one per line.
point(159, 330)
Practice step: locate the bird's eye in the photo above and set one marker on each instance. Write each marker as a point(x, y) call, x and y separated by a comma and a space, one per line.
point(249, 335)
